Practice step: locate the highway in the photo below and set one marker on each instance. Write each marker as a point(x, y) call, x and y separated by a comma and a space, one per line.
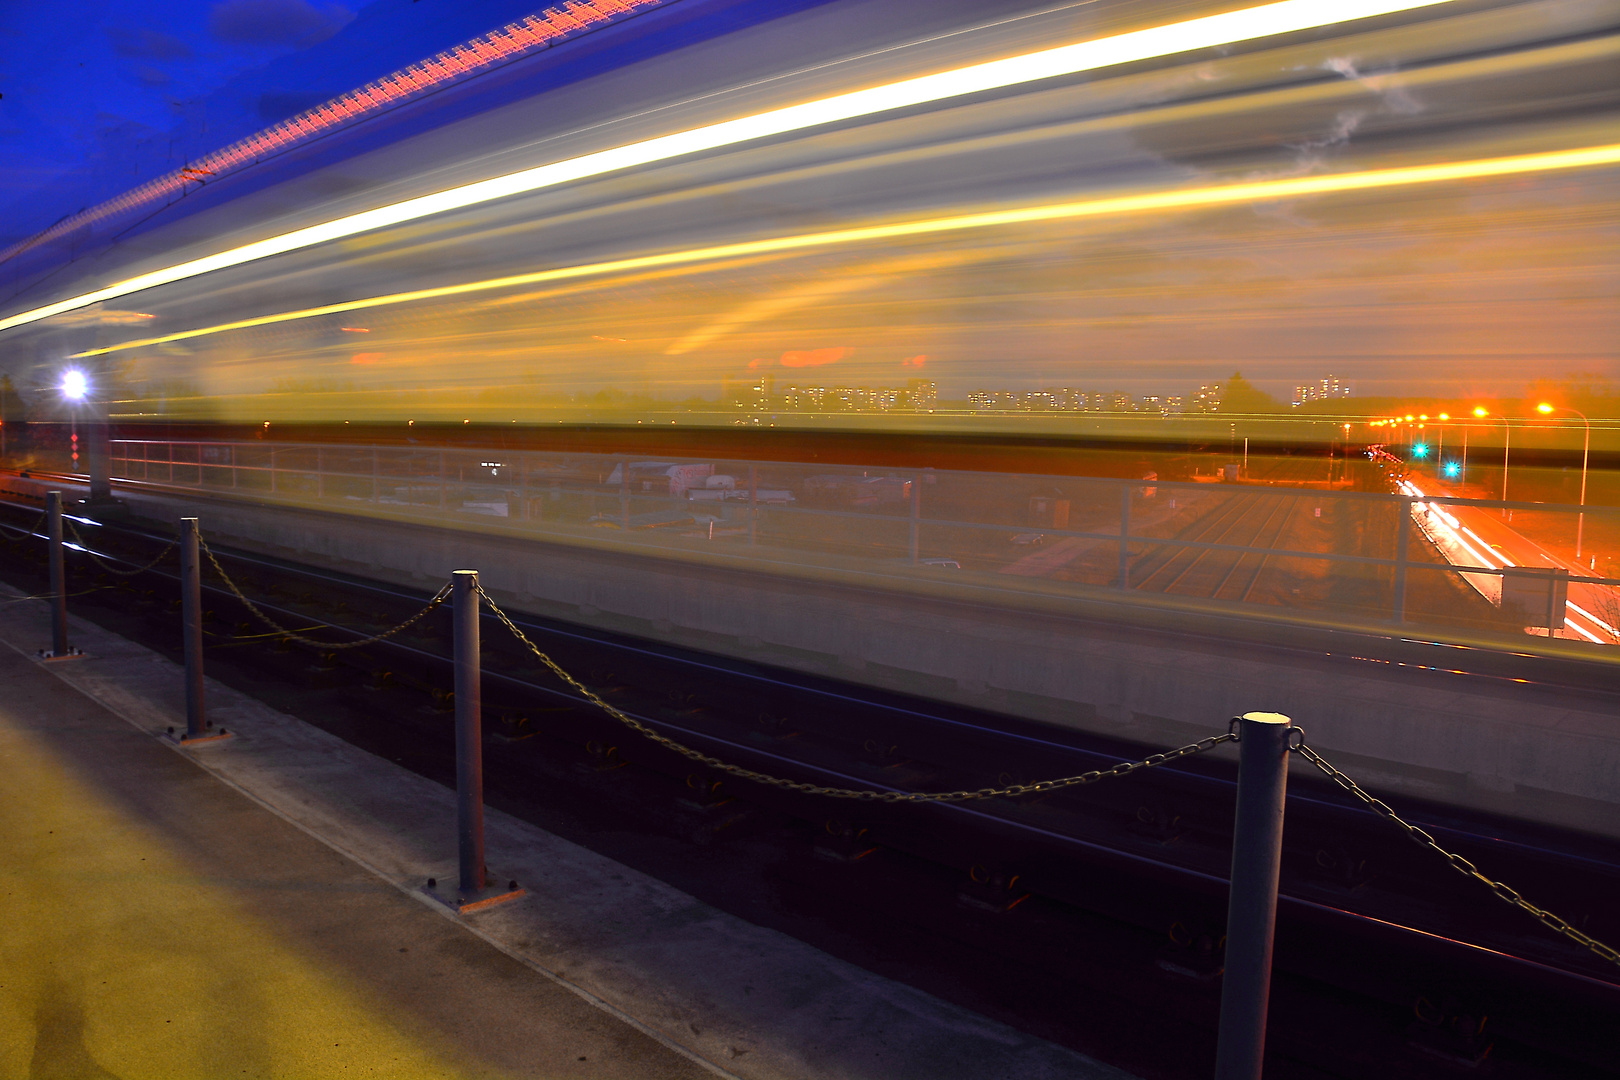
point(1480, 536)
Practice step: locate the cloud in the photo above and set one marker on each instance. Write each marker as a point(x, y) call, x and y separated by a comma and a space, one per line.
point(147, 44)
point(914, 361)
point(365, 358)
point(1395, 97)
point(813, 357)
point(276, 22)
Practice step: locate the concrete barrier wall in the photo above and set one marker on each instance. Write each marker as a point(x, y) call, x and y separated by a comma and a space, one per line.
point(1533, 752)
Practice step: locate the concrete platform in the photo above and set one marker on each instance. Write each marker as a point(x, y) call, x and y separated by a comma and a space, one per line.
point(253, 907)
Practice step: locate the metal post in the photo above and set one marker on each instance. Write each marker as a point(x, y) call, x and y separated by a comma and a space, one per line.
point(523, 486)
point(1125, 537)
point(469, 734)
point(624, 496)
point(53, 510)
point(98, 448)
point(1251, 913)
point(1507, 437)
point(191, 616)
point(916, 515)
point(753, 503)
point(1401, 531)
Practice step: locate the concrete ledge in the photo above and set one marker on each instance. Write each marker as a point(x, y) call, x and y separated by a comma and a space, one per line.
point(1534, 752)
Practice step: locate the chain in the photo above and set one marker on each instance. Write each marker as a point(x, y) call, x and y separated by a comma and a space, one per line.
point(282, 631)
point(32, 530)
point(1124, 768)
point(109, 567)
point(1457, 862)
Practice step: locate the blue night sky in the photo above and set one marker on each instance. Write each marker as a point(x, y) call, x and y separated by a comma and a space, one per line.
point(102, 95)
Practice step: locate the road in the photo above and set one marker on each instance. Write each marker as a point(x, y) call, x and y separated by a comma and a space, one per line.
point(1478, 536)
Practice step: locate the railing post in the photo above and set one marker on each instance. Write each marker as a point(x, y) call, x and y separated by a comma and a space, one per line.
point(624, 496)
point(191, 615)
point(1251, 914)
point(916, 515)
point(523, 486)
point(753, 503)
point(1125, 537)
point(53, 529)
point(469, 734)
point(1402, 528)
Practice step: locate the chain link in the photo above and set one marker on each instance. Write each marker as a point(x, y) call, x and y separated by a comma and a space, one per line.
point(1457, 862)
point(109, 567)
point(282, 631)
point(1124, 768)
point(32, 530)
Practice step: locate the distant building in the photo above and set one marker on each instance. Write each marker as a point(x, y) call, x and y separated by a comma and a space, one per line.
point(1206, 400)
point(1324, 389)
point(918, 395)
point(922, 395)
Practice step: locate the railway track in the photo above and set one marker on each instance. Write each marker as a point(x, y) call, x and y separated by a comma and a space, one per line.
point(1014, 908)
point(1246, 518)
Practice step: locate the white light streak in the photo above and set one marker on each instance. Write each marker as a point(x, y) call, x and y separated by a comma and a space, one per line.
point(1573, 606)
point(1212, 31)
point(1583, 631)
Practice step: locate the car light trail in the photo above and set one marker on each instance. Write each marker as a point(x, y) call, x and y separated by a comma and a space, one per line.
point(1180, 199)
point(1212, 31)
point(1454, 530)
point(1573, 606)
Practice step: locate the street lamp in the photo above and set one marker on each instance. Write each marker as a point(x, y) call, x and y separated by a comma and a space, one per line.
point(74, 387)
point(1547, 409)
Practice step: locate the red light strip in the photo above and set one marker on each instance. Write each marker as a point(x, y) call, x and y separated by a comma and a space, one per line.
point(538, 31)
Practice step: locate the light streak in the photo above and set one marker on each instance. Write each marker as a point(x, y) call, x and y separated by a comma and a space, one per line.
point(1178, 199)
point(1583, 631)
point(1212, 31)
point(1573, 606)
point(453, 65)
point(1505, 560)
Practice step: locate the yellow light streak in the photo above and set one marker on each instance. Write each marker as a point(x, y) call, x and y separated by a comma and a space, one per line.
point(1182, 199)
point(1211, 31)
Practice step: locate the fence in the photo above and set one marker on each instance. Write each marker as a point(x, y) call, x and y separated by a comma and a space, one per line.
point(1265, 742)
point(1288, 542)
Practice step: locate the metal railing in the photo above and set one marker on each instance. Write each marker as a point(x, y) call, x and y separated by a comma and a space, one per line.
point(1280, 547)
